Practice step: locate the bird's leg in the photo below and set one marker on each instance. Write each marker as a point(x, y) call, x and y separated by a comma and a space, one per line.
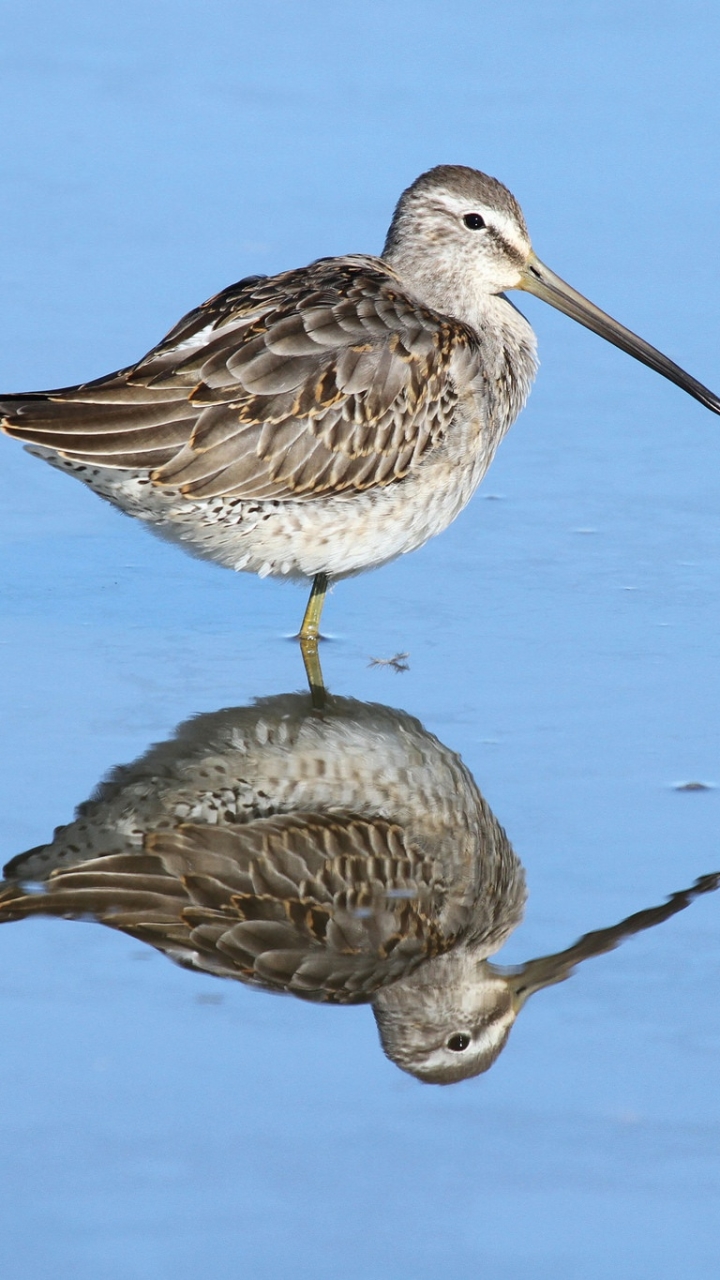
point(309, 635)
point(310, 629)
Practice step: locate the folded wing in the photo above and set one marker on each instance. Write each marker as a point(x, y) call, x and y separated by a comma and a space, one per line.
point(322, 380)
point(326, 907)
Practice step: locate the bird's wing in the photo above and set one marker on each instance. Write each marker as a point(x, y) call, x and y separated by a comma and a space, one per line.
point(322, 380)
point(327, 907)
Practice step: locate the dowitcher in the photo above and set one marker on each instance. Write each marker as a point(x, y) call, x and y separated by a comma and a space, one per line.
point(345, 858)
point(323, 421)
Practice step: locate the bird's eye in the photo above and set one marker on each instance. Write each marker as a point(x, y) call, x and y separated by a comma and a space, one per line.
point(474, 222)
point(458, 1043)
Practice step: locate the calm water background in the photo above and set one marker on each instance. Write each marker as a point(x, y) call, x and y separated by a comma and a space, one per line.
point(563, 636)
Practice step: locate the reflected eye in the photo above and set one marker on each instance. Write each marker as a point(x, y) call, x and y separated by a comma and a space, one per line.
point(474, 222)
point(458, 1043)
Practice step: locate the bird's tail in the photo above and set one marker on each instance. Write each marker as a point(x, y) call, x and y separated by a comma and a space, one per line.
point(114, 424)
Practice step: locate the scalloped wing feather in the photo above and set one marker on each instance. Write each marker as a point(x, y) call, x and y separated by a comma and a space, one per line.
point(328, 907)
point(317, 381)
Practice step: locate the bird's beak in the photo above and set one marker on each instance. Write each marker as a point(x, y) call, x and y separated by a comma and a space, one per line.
point(540, 280)
point(536, 975)
point(524, 980)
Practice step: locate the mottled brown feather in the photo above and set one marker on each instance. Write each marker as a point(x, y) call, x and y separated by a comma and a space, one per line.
point(326, 379)
point(330, 907)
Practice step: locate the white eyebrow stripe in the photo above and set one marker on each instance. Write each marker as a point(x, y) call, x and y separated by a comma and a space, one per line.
point(492, 1034)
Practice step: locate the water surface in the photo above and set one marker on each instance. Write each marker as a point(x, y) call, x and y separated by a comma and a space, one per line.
point(562, 637)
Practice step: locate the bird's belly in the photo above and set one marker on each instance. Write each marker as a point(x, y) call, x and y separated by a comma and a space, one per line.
point(340, 535)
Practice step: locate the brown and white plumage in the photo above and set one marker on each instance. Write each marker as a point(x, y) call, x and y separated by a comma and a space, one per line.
point(316, 381)
point(326, 907)
point(345, 857)
point(323, 421)
point(326, 856)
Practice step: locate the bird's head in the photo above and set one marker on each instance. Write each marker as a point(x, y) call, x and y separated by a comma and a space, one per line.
point(460, 227)
point(449, 1020)
point(458, 237)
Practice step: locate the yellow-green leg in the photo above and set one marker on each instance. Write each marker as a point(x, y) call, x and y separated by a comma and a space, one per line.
point(310, 629)
point(309, 635)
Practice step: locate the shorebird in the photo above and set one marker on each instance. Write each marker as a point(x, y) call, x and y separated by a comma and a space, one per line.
point(344, 858)
point(325, 856)
point(323, 421)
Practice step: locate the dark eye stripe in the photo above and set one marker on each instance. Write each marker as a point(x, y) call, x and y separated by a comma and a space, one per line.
point(508, 249)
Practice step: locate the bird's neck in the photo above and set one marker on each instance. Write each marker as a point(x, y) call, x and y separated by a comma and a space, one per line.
point(444, 287)
point(438, 282)
point(505, 337)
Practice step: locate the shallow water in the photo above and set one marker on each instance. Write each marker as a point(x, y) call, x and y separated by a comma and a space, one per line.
point(562, 637)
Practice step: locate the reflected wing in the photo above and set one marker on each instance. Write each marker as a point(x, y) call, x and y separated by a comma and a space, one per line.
point(329, 908)
point(326, 379)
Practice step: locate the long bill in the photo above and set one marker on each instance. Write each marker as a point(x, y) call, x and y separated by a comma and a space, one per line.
point(546, 971)
point(540, 280)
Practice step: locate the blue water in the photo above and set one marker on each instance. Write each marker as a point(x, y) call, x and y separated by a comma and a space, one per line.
point(563, 637)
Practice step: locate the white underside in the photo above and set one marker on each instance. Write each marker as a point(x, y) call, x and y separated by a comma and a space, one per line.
point(339, 535)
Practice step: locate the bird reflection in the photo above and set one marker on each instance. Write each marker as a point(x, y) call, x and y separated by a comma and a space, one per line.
point(340, 854)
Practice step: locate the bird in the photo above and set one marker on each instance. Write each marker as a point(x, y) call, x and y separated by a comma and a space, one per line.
point(343, 857)
point(323, 421)
point(322, 855)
